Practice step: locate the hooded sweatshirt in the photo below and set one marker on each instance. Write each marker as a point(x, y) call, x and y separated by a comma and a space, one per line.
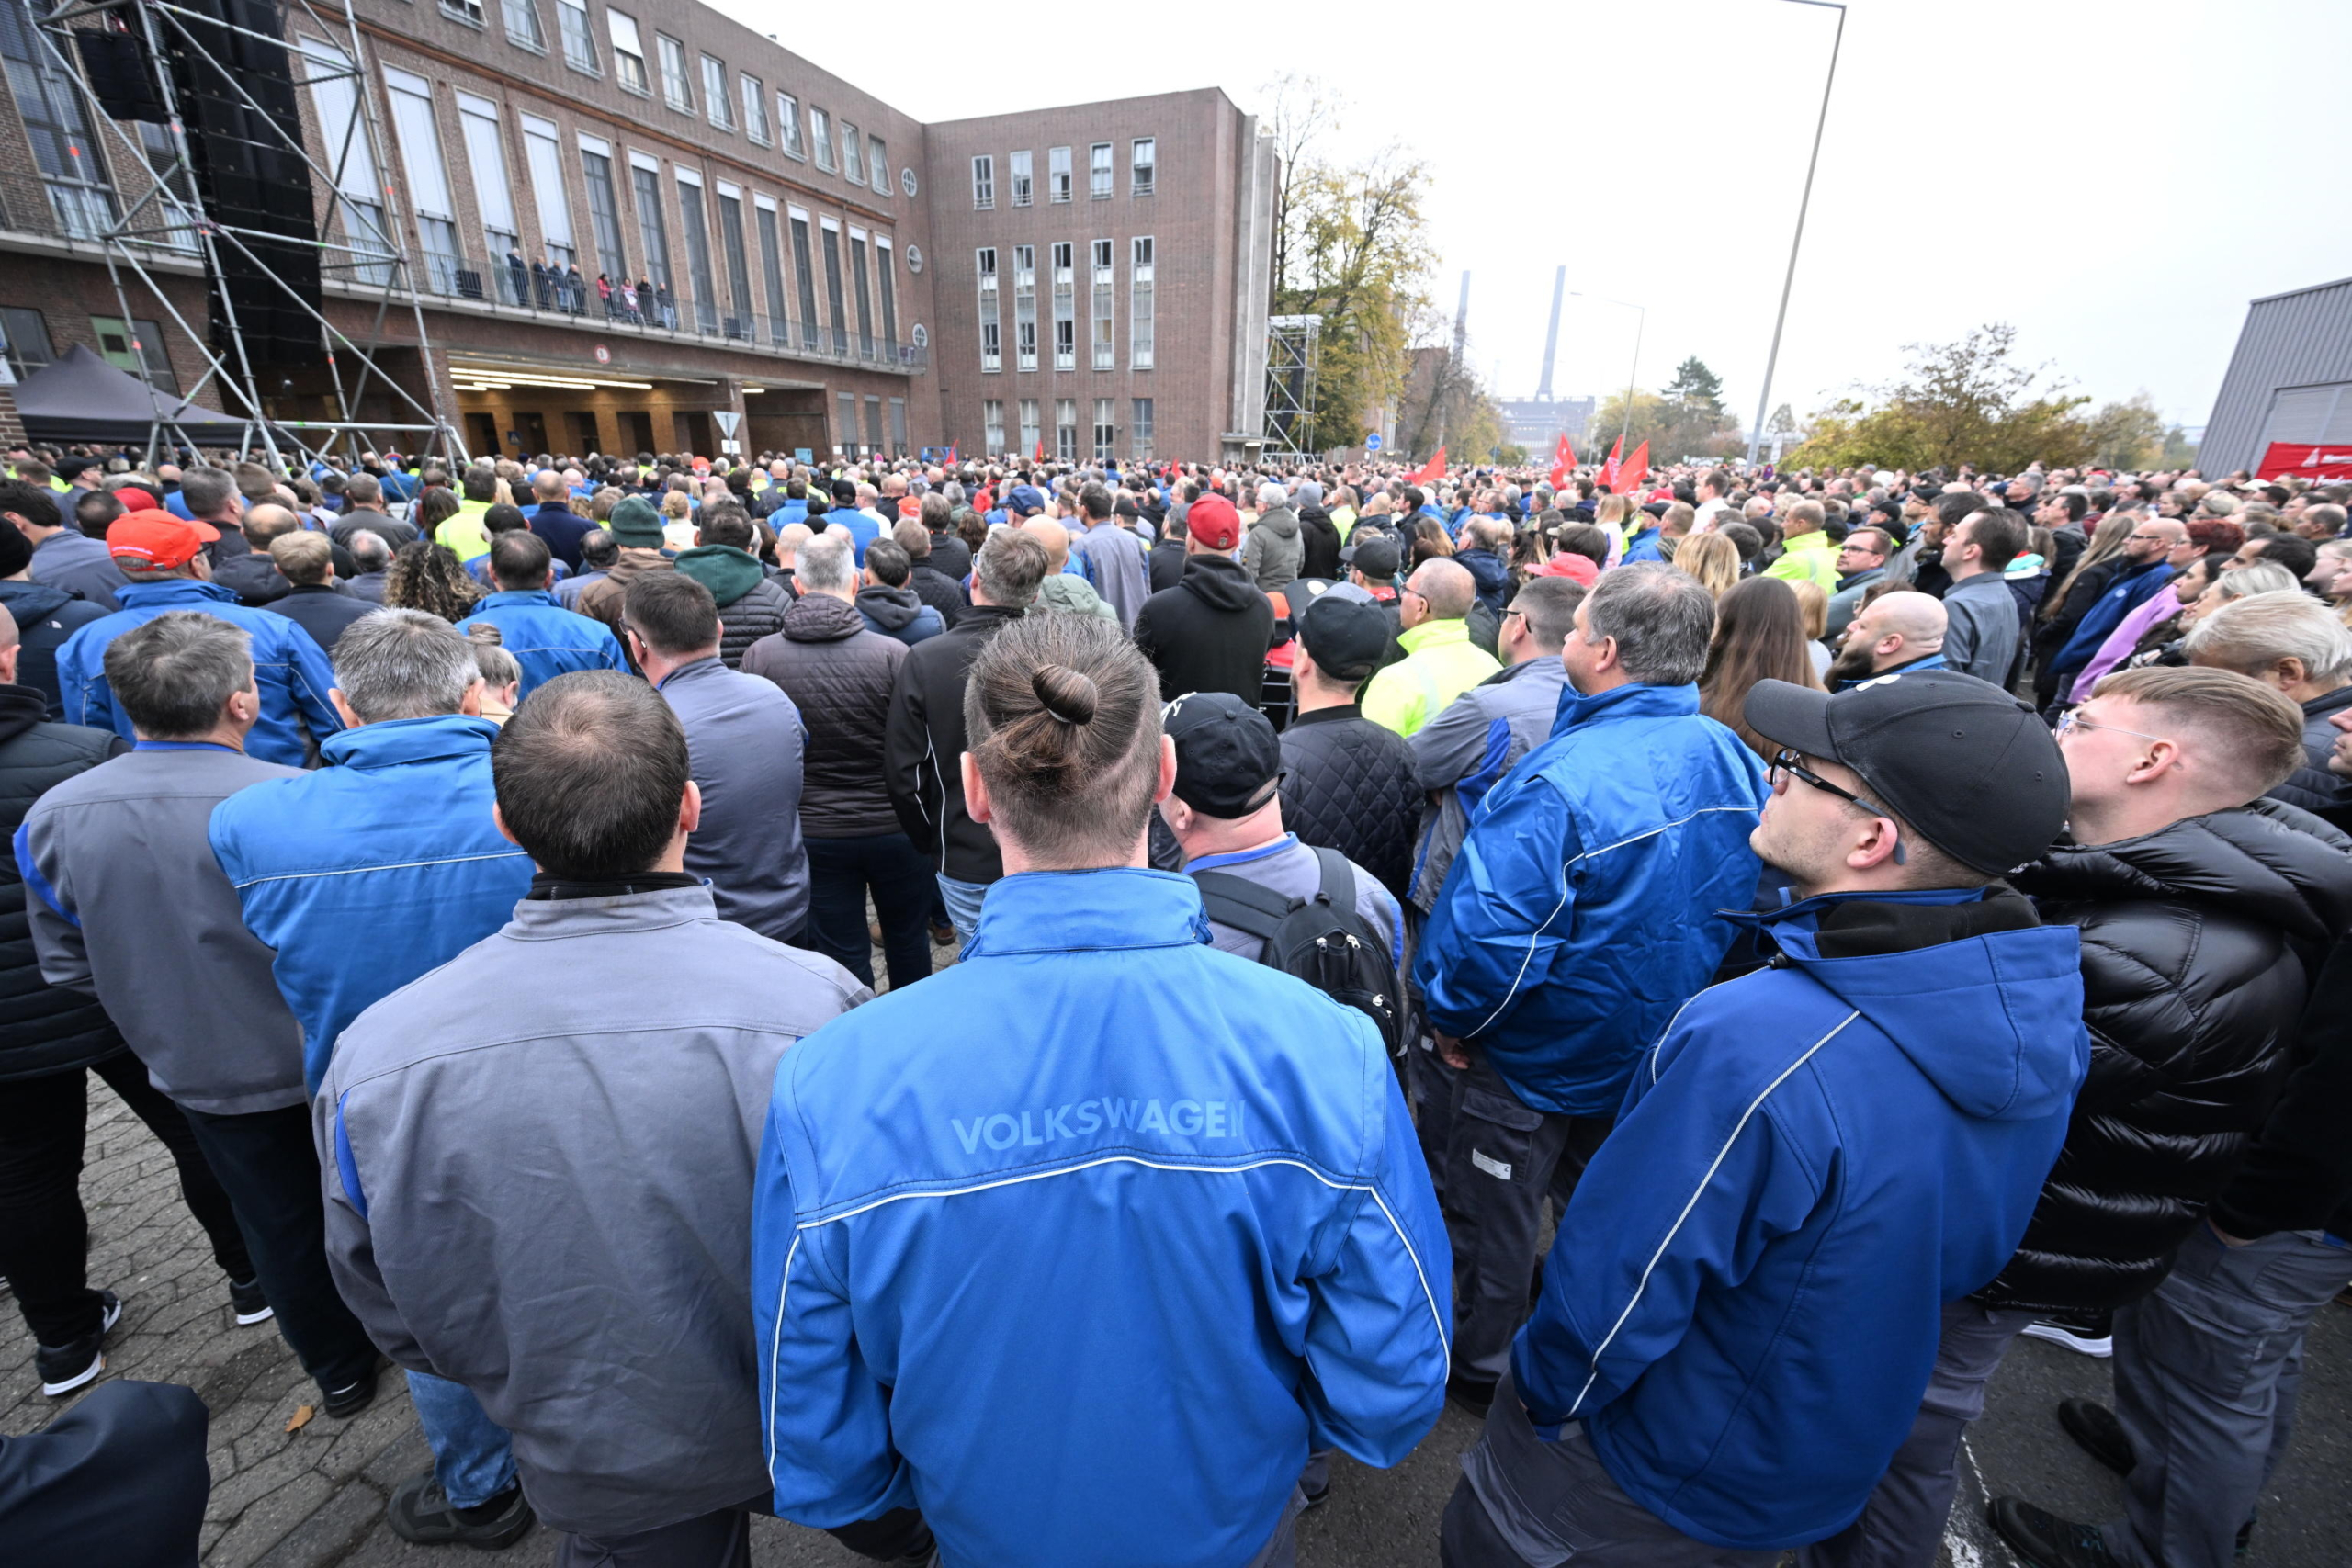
point(749, 605)
point(1744, 1295)
point(1272, 553)
point(45, 616)
point(1209, 633)
point(898, 613)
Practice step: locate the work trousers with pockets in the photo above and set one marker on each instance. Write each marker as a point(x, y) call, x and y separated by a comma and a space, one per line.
point(1496, 1162)
point(44, 1232)
point(269, 1168)
point(2207, 1370)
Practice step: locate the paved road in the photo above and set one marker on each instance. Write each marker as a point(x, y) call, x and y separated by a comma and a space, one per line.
point(316, 1498)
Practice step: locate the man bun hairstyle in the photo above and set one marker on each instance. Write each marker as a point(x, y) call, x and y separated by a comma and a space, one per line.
point(588, 774)
point(1063, 715)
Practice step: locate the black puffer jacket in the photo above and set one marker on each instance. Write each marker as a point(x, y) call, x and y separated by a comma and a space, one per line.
point(2200, 945)
point(1209, 633)
point(839, 675)
point(742, 622)
point(43, 1028)
point(1318, 539)
point(1349, 785)
point(2311, 787)
point(924, 739)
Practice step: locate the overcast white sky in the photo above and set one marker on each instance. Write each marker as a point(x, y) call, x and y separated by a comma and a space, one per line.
point(2116, 179)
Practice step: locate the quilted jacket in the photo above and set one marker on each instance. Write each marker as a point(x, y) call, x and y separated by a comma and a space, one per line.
point(751, 605)
point(2311, 787)
point(838, 674)
point(1349, 785)
point(43, 1028)
point(2199, 944)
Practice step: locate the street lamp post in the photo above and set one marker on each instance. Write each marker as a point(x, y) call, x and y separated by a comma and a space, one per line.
point(1772, 360)
point(1640, 322)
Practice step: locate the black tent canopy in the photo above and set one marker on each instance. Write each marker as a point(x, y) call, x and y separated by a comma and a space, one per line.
point(80, 397)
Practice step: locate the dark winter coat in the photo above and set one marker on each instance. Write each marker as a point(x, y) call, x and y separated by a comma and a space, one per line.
point(942, 593)
point(1351, 785)
point(950, 556)
point(2311, 787)
point(46, 616)
point(1167, 564)
point(1209, 633)
point(1318, 539)
point(2056, 632)
point(751, 605)
point(838, 674)
point(2199, 944)
point(1493, 577)
point(43, 1028)
point(252, 577)
point(2298, 1175)
point(924, 742)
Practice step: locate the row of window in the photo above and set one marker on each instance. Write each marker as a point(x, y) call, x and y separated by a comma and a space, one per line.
point(1062, 279)
point(1065, 428)
point(1143, 171)
point(136, 345)
point(864, 162)
point(873, 443)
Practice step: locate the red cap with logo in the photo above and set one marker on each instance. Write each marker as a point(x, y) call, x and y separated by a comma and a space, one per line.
point(133, 499)
point(1213, 522)
point(157, 538)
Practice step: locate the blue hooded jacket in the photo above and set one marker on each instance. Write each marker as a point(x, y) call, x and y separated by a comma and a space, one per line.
point(1082, 1244)
point(547, 640)
point(1582, 910)
point(290, 668)
point(1744, 1299)
point(371, 870)
point(2126, 594)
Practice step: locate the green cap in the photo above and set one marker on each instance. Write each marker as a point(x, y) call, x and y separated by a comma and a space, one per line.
point(634, 522)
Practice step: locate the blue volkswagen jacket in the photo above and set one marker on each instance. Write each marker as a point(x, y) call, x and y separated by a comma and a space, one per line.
point(547, 640)
point(1743, 1301)
point(2127, 594)
point(372, 869)
point(1582, 910)
point(1082, 1244)
point(292, 671)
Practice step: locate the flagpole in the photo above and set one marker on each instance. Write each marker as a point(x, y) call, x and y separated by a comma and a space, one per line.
point(1772, 360)
point(1633, 371)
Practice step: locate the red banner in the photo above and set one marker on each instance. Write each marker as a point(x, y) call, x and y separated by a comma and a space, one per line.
point(2302, 460)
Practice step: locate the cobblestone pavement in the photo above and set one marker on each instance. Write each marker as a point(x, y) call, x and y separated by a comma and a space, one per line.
point(314, 1497)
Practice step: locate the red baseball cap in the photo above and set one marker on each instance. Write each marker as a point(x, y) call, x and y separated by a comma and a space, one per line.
point(133, 499)
point(1213, 522)
point(156, 538)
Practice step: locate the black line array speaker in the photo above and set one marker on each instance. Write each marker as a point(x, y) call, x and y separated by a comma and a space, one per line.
point(120, 74)
point(251, 178)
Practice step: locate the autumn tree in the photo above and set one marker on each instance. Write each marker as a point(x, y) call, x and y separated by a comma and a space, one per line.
point(1969, 402)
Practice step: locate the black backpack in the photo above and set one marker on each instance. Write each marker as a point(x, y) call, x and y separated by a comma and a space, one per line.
point(1321, 940)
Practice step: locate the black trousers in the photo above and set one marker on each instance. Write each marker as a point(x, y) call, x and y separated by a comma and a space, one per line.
point(839, 871)
point(265, 1161)
point(44, 1232)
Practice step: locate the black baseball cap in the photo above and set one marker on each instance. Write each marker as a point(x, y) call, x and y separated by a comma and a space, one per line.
point(1971, 767)
point(1376, 558)
point(1229, 758)
point(1346, 637)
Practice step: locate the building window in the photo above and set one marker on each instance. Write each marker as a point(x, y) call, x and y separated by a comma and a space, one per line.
point(755, 109)
point(1065, 429)
point(772, 268)
point(1142, 170)
point(847, 404)
point(523, 24)
point(1104, 291)
point(650, 233)
point(887, 287)
point(579, 44)
point(465, 11)
point(1098, 171)
point(741, 325)
point(788, 120)
point(493, 198)
point(58, 124)
point(983, 183)
point(1031, 440)
point(695, 227)
point(1139, 303)
point(24, 340)
point(629, 51)
point(604, 215)
point(853, 155)
point(1106, 433)
point(1025, 307)
point(863, 291)
point(428, 181)
point(543, 156)
point(714, 94)
point(1065, 308)
point(138, 348)
point(677, 87)
point(820, 131)
point(831, 238)
point(1057, 173)
point(335, 97)
point(1024, 187)
point(897, 428)
point(878, 158)
point(992, 426)
point(1139, 430)
point(991, 345)
point(873, 423)
point(806, 275)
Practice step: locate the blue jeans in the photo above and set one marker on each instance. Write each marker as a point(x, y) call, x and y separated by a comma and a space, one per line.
point(840, 872)
point(963, 906)
point(473, 1458)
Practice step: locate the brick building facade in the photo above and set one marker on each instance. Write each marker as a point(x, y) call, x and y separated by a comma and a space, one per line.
point(811, 254)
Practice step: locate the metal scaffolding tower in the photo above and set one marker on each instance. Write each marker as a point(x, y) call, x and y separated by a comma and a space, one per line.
point(172, 49)
point(1293, 348)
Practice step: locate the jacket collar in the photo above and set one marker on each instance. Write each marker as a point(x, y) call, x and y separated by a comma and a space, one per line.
point(395, 742)
point(694, 671)
point(171, 591)
point(1328, 716)
point(552, 919)
point(518, 596)
point(1433, 633)
point(1062, 911)
point(1625, 702)
point(1983, 582)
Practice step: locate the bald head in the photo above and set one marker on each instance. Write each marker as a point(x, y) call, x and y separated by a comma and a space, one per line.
point(1056, 538)
point(266, 522)
point(1893, 629)
point(1446, 588)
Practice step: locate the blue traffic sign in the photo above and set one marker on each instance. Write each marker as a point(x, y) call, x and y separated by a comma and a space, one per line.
point(1372, 441)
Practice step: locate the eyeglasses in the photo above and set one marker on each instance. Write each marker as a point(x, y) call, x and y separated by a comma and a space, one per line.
point(2149, 539)
point(1785, 763)
point(2073, 720)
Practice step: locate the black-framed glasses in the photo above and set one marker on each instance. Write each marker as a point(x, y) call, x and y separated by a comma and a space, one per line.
point(1785, 761)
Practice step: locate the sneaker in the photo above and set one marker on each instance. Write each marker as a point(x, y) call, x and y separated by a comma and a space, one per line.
point(1471, 1394)
point(2092, 1336)
point(352, 1398)
point(251, 1306)
point(420, 1511)
point(2098, 1433)
point(2042, 1539)
point(65, 1367)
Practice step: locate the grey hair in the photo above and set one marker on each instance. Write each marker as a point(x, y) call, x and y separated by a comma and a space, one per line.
point(2260, 577)
point(1272, 494)
point(2252, 632)
point(825, 563)
point(403, 664)
point(173, 674)
point(370, 551)
point(1662, 620)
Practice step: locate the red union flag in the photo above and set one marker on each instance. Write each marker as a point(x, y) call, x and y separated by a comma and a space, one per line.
point(1637, 469)
point(1433, 470)
point(1608, 470)
point(1564, 460)
point(2304, 460)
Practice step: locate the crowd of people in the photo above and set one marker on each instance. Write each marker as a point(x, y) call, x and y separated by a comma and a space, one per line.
point(1864, 916)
